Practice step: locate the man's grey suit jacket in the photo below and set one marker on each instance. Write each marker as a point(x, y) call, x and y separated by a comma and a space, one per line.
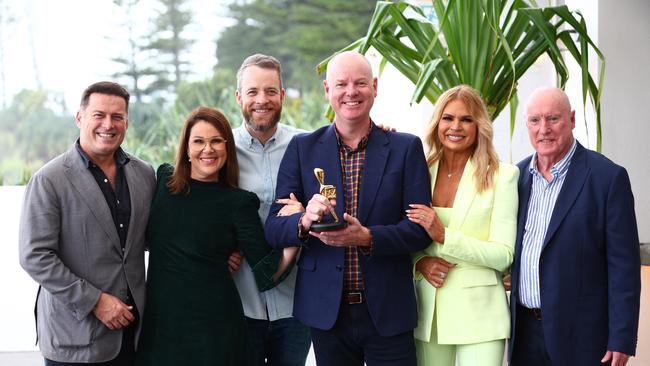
point(69, 245)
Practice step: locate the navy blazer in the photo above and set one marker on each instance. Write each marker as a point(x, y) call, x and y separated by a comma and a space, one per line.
point(589, 268)
point(395, 174)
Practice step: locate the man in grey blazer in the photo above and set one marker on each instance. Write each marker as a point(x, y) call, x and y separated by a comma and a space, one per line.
point(82, 233)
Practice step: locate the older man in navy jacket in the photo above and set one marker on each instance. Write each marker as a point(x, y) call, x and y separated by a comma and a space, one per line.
point(576, 274)
point(354, 286)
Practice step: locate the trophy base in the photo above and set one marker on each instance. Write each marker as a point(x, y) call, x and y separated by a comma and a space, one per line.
point(327, 226)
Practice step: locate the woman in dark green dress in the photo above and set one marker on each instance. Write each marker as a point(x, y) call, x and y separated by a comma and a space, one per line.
point(193, 315)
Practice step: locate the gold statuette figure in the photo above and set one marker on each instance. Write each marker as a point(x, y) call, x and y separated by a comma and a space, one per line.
point(329, 191)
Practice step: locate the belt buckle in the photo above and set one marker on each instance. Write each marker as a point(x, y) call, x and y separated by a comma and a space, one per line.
point(354, 298)
point(537, 313)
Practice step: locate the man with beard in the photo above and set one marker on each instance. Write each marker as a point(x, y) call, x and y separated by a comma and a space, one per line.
point(275, 337)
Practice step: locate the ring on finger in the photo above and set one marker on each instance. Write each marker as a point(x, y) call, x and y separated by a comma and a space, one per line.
point(443, 275)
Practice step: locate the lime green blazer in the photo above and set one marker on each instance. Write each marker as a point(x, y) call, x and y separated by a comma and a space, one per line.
point(471, 306)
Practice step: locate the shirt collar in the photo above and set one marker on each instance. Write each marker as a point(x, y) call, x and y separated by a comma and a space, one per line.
point(252, 141)
point(121, 158)
point(558, 168)
point(362, 144)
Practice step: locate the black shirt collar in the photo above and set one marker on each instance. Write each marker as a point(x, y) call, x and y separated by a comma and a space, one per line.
point(121, 158)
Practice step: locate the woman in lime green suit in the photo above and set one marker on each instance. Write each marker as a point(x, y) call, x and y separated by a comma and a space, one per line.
point(462, 304)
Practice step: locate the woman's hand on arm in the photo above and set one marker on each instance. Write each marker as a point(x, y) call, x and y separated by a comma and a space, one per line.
point(235, 260)
point(291, 205)
point(426, 217)
point(385, 128)
point(506, 281)
point(434, 270)
point(289, 254)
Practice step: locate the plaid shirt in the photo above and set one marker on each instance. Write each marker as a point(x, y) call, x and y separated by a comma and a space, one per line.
point(352, 162)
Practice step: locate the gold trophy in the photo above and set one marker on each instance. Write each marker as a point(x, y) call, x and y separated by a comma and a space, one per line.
point(329, 191)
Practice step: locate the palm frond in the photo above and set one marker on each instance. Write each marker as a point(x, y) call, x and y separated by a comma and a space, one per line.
point(487, 44)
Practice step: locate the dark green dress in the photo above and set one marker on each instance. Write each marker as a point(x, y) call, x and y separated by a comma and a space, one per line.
point(193, 313)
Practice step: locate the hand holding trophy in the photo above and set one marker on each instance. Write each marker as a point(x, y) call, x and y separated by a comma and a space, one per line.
point(329, 192)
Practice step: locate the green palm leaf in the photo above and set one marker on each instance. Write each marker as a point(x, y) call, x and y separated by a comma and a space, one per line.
point(488, 44)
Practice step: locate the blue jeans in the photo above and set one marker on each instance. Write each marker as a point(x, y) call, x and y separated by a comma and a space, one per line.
point(283, 342)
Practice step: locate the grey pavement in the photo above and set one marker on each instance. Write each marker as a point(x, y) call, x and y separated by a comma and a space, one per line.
point(35, 359)
point(21, 359)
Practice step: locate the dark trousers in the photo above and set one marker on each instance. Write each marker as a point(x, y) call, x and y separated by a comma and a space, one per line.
point(282, 342)
point(354, 340)
point(529, 348)
point(126, 357)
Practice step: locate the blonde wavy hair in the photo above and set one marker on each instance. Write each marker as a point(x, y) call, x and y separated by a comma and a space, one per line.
point(484, 156)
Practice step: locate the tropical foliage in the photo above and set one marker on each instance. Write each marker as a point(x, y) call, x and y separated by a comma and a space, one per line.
point(153, 62)
point(299, 33)
point(30, 130)
point(488, 44)
point(34, 128)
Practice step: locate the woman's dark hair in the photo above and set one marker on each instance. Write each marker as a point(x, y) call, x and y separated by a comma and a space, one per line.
point(229, 173)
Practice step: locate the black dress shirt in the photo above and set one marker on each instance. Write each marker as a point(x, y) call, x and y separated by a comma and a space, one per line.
point(118, 200)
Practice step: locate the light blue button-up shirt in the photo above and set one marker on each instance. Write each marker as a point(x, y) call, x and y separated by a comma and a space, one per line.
point(258, 172)
point(543, 196)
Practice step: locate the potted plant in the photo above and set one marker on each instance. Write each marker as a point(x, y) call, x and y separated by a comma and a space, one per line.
point(488, 44)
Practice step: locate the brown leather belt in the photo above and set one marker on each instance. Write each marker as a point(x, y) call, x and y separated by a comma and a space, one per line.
point(352, 298)
point(535, 312)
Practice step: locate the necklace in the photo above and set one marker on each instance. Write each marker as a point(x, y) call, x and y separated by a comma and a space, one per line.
point(449, 173)
point(449, 167)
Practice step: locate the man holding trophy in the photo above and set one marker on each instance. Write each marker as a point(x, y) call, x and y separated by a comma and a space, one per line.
point(354, 286)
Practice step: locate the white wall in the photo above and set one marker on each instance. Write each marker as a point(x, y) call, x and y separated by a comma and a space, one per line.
point(624, 37)
point(394, 93)
point(17, 328)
